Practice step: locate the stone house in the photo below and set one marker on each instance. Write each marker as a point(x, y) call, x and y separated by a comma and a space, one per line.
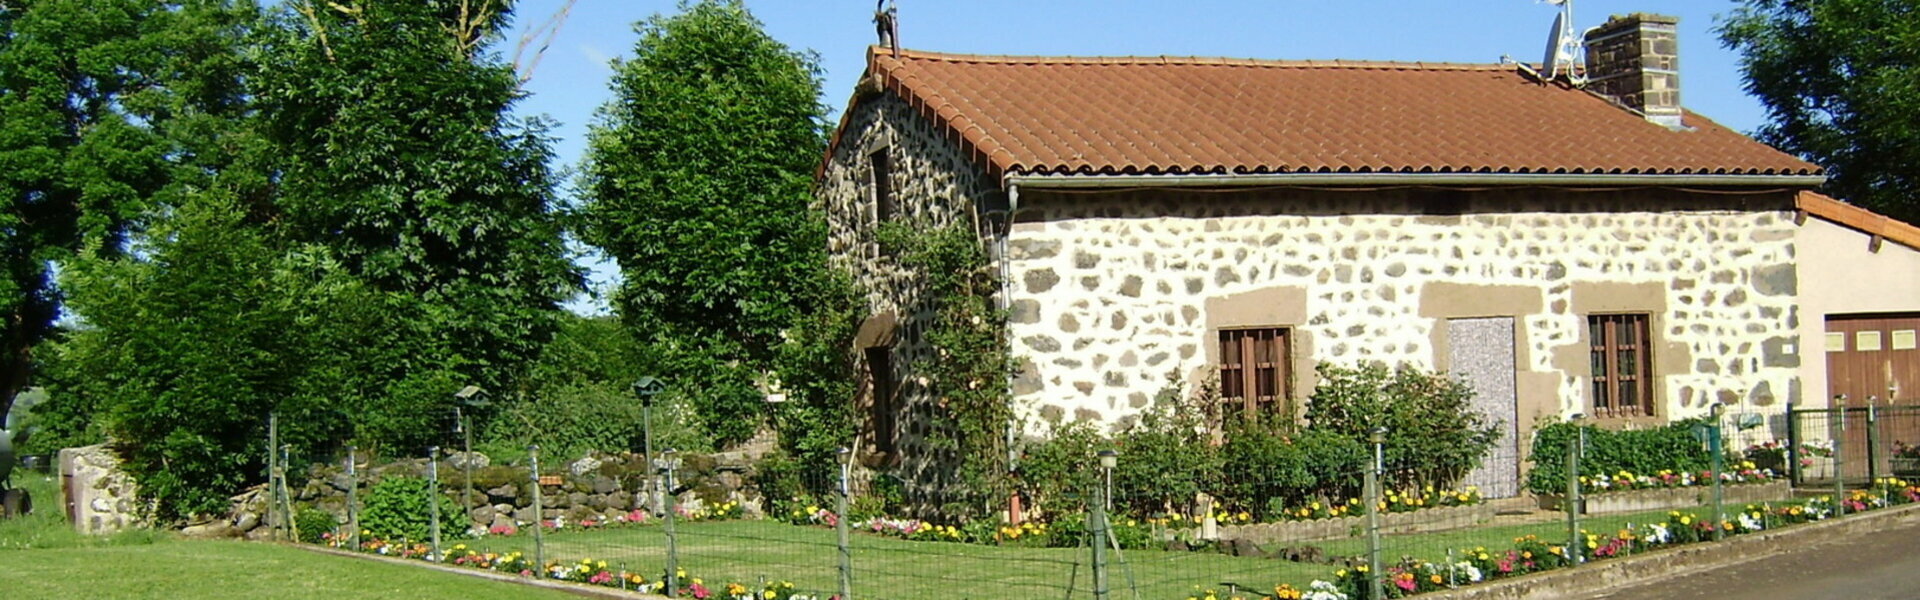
point(1593, 250)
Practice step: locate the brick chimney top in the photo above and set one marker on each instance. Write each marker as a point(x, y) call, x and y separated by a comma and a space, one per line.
point(1635, 59)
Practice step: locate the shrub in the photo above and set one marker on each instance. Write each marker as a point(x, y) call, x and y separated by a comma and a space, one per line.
point(1434, 437)
point(396, 509)
point(313, 524)
point(1266, 469)
point(1058, 473)
point(1671, 447)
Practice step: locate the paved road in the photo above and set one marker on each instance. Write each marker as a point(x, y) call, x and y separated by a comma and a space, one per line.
point(1881, 565)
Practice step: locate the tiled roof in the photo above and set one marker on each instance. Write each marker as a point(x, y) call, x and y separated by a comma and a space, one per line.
point(1178, 115)
point(1860, 219)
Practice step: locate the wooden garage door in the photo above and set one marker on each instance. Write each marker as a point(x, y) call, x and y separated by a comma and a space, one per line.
point(1873, 357)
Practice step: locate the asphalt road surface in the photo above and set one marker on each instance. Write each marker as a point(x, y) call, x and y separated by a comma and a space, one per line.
point(1880, 565)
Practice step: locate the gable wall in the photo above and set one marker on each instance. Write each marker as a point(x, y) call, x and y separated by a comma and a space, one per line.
point(1113, 291)
point(935, 184)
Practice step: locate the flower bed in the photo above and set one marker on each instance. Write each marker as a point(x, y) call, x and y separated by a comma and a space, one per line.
point(1530, 554)
point(1431, 519)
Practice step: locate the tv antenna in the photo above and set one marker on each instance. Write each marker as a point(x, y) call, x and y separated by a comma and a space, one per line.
point(1566, 54)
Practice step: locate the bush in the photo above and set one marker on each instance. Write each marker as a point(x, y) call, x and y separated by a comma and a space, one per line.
point(1642, 451)
point(1058, 473)
point(312, 524)
point(569, 420)
point(1265, 469)
point(1434, 437)
point(396, 509)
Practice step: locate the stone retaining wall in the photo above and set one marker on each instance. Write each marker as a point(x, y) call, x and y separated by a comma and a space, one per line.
point(1672, 498)
point(1431, 519)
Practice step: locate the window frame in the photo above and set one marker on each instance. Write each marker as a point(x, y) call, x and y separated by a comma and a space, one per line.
point(1605, 349)
point(1244, 373)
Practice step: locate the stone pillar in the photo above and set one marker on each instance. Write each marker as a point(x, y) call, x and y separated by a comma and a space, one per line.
point(1635, 60)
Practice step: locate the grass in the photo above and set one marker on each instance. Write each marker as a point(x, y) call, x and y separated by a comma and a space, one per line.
point(42, 557)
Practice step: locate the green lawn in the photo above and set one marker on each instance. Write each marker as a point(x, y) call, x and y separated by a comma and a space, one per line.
point(41, 557)
point(44, 559)
point(890, 569)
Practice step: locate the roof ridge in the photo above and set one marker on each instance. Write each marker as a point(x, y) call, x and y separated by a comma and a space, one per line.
point(1165, 59)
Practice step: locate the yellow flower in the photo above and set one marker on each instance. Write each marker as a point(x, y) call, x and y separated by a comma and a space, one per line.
point(768, 594)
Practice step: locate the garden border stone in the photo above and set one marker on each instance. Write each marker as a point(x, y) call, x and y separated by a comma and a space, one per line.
point(1659, 564)
point(1672, 498)
point(1419, 521)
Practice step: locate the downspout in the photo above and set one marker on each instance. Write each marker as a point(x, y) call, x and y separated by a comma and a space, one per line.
point(1006, 305)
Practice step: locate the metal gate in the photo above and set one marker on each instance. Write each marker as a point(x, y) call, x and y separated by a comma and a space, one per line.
point(1857, 444)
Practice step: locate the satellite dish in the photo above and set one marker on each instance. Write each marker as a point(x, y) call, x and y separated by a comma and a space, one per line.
point(1556, 48)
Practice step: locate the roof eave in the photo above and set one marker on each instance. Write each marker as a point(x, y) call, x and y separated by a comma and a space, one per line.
point(1083, 181)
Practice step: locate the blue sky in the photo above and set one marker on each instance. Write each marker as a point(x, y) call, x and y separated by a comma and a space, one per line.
point(571, 80)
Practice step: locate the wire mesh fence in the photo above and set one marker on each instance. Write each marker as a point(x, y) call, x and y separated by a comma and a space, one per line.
point(695, 524)
point(1844, 446)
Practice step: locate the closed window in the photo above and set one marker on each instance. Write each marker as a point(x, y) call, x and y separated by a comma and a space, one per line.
point(1253, 368)
point(881, 168)
point(1622, 369)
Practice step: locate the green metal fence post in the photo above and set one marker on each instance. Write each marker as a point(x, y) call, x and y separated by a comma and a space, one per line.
point(840, 526)
point(1793, 447)
point(1719, 468)
point(539, 513)
point(433, 497)
point(353, 515)
point(673, 509)
point(1839, 434)
point(1873, 443)
point(1376, 587)
point(1574, 447)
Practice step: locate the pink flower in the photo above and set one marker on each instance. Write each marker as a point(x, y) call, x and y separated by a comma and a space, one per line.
point(600, 578)
point(698, 591)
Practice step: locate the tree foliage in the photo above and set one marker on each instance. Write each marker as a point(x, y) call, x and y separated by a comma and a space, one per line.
point(97, 98)
point(697, 184)
point(399, 156)
point(1842, 89)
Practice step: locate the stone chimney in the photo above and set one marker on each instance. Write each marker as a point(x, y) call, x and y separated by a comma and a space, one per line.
point(1635, 60)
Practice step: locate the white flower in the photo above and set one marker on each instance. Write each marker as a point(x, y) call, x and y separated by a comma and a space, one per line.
point(1749, 523)
point(1323, 590)
point(1657, 534)
point(1471, 572)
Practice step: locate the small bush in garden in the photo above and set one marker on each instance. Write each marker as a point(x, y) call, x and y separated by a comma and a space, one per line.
point(313, 524)
point(396, 509)
point(1434, 437)
point(1643, 451)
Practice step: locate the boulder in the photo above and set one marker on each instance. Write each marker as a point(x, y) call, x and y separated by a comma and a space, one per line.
point(505, 492)
point(501, 521)
point(525, 515)
point(596, 502)
point(585, 465)
point(619, 500)
point(459, 461)
point(211, 529)
point(603, 484)
point(575, 499)
point(246, 521)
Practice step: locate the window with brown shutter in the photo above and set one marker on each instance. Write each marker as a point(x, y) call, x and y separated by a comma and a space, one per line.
point(1622, 369)
point(1253, 368)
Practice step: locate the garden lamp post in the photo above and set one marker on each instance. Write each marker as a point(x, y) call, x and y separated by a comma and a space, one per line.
point(644, 389)
point(471, 396)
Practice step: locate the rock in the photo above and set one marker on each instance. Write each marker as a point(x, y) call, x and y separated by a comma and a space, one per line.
point(482, 514)
point(603, 484)
point(246, 521)
point(556, 500)
point(260, 534)
point(584, 466)
point(619, 500)
point(461, 460)
point(214, 529)
point(524, 515)
point(1177, 546)
point(505, 492)
point(1243, 547)
point(597, 501)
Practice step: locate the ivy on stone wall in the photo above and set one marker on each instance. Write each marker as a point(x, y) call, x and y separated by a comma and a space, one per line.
point(970, 362)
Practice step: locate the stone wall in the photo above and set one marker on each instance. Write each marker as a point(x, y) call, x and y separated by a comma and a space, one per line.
point(1112, 291)
point(103, 498)
point(934, 184)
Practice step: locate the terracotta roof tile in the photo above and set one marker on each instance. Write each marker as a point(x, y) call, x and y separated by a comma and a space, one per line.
point(1859, 219)
point(1175, 115)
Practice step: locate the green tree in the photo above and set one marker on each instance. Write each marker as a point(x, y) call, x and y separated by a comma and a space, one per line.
point(1841, 87)
point(96, 100)
point(697, 183)
point(397, 153)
